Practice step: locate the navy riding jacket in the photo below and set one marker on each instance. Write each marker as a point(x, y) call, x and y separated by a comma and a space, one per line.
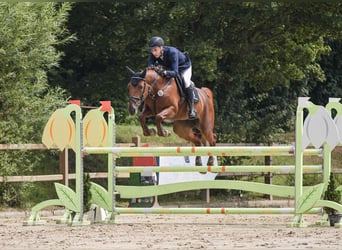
point(175, 61)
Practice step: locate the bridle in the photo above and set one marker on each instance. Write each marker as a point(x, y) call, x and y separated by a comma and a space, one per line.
point(141, 99)
point(138, 100)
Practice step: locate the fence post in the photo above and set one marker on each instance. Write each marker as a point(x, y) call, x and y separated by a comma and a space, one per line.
point(64, 165)
point(136, 140)
point(268, 175)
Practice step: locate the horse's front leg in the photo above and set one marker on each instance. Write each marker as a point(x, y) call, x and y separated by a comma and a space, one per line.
point(168, 113)
point(142, 119)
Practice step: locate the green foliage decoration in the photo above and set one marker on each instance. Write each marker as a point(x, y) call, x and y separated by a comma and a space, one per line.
point(28, 36)
point(309, 198)
point(87, 193)
point(68, 197)
point(100, 196)
point(332, 193)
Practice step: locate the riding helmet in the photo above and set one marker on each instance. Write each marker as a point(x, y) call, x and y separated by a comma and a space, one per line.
point(156, 41)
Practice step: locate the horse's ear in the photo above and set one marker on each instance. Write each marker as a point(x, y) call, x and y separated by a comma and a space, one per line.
point(130, 71)
point(143, 74)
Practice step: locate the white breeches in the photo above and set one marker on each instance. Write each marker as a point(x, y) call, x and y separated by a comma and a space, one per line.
point(187, 77)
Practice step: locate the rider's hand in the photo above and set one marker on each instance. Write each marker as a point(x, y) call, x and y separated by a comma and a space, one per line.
point(161, 72)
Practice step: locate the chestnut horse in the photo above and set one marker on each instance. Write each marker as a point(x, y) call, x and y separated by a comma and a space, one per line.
point(162, 101)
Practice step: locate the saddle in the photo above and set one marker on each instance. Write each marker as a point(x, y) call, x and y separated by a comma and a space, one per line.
point(181, 90)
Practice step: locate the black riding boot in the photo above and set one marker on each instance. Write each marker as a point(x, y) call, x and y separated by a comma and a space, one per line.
point(190, 100)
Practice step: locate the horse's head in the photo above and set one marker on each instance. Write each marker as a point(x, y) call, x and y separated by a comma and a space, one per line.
point(137, 90)
point(138, 86)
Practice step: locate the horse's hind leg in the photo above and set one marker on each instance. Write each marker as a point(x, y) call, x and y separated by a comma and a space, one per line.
point(198, 134)
point(207, 120)
point(185, 129)
point(210, 137)
point(212, 143)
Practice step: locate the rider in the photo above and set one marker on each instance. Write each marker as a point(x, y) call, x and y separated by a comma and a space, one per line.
point(175, 62)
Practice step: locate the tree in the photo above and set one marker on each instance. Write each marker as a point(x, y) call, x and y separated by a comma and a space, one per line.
point(28, 36)
point(275, 50)
point(107, 41)
point(332, 66)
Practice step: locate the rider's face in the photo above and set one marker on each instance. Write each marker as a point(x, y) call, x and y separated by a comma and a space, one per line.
point(156, 51)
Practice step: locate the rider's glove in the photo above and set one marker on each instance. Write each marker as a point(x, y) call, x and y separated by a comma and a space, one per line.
point(161, 72)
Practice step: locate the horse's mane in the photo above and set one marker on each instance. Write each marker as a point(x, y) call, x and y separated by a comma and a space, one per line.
point(151, 68)
point(154, 67)
point(138, 76)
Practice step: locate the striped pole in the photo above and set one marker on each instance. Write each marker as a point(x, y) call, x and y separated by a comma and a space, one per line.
point(218, 169)
point(199, 151)
point(222, 210)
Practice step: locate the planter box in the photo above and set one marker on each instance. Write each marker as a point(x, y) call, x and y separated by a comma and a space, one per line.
point(334, 219)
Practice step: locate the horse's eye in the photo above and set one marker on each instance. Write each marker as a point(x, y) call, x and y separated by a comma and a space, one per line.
point(140, 87)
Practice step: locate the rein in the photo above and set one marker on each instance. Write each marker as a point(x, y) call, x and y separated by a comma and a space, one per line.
point(160, 92)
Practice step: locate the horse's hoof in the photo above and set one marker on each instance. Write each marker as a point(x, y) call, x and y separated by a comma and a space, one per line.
point(150, 132)
point(164, 133)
